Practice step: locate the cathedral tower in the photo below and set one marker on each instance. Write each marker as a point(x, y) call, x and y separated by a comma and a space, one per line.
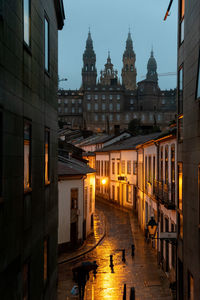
point(129, 72)
point(108, 75)
point(152, 69)
point(89, 72)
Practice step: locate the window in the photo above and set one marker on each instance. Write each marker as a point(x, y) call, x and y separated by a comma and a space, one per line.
point(96, 97)
point(88, 106)
point(113, 167)
point(131, 68)
point(110, 97)
point(73, 101)
point(102, 168)
point(103, 97)
point(96, 107)
point(180, 185)
point(66, 101)
point(149, 173)
point(1, 154)
point(27, 155)
point(80, 110)
point(118, 168)
point(85, 201)
point(135, 167)
point(59, 110)
point(150, 117)
point(113, 192)
point(118, 97)
point(128, 167)
point(190, 286)
point(45, 261)
point(103, 117)
point(73, 110)
point(166, 165)
point(123, 167)
point(128, 194)
point(79, 101)
point(131, 101)
point(180, 90)
point(118, 117)
point(198, 80)
point(26, 287)
point(118, 106)
point(66, 109)
point(181, 20)
point(59, 101)
point(180, 129)
point(47, 156)
point(127, 117)
point(173, 173)
point(103, 106)
point(27, 23)
point(110, 117)
point(91, 193)
point(46, 43)
point(88, 97)
point(111, 107)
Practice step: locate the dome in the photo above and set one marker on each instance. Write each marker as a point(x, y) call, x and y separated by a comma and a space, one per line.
point(152, 65)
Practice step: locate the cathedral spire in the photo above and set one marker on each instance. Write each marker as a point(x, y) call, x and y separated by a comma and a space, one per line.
point(129, 71)
point(89, 72)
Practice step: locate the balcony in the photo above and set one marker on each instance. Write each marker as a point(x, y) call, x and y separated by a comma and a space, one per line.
point(165, 193)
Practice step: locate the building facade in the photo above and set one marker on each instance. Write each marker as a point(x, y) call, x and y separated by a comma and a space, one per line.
point(28, 143)
point(188, 210)
point(107, 103)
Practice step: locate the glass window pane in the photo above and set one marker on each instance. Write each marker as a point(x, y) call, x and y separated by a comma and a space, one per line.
point(46, 24)
point(46, 156)
point(27, 158)
point(27, 22)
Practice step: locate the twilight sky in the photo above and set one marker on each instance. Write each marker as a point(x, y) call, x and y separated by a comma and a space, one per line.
point(109, 21)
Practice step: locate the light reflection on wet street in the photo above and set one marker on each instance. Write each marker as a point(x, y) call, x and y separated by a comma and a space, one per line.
point(141, 272)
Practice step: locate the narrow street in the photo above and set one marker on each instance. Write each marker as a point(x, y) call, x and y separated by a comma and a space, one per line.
point(140, 272)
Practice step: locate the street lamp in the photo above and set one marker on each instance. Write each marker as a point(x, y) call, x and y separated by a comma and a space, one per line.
point(152, 227)
point(103, 181)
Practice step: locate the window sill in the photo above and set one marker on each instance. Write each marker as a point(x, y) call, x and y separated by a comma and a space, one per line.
point(27, 190)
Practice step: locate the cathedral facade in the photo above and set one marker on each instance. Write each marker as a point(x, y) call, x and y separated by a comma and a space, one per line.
point(107, 104)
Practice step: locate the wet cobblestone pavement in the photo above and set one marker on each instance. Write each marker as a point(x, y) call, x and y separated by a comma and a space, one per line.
point(141, 272)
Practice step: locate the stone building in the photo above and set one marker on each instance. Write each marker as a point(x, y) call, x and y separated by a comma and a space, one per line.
point(28, 143)
point(108, 103)
point(188, 206)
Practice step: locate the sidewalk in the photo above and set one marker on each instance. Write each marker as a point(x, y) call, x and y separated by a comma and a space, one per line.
point(92, 241)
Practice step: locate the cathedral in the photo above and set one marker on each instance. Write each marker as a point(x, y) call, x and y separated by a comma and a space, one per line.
point(106, 104)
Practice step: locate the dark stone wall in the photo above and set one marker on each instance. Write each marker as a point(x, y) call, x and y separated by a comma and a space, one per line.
point(27, 92)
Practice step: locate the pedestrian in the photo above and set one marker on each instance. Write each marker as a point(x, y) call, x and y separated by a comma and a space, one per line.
point(82, 277)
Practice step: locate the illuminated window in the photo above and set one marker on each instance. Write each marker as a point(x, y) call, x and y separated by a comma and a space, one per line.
point(180, 225)
point(198, 80)
point(173, 173)
point(123, 167)
point(166, 165)
point(128, 194)
point(91, 192)
point(46, 43)
point(27, 23)
point(181, 20)
point(180, 128)
point(128, 167)
point(180, 90)
point(190, 286)
point(47, 156)
point(26, 288)
point(180, 185)
point(45, 261)
point(27, 155)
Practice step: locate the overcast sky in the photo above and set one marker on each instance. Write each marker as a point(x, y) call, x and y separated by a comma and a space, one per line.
point(109, 21)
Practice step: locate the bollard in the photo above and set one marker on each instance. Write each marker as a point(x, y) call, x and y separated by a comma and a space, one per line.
point(132, 294)
point(111, 261)
point(133, 250)
point(124, 293)
point(123, 255)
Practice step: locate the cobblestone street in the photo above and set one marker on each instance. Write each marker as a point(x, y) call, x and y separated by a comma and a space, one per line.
point(141, 272)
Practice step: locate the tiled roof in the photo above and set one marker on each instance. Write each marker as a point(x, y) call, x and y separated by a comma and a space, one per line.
point(72, 166)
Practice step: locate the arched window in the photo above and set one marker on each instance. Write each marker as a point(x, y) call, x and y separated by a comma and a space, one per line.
point(86, 67)
point(92, 68)
point(131, 68)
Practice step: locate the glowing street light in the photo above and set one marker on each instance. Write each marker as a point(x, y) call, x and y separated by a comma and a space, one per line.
point(103, 181)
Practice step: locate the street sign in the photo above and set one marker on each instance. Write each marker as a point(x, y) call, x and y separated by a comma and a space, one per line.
point(168, 235)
